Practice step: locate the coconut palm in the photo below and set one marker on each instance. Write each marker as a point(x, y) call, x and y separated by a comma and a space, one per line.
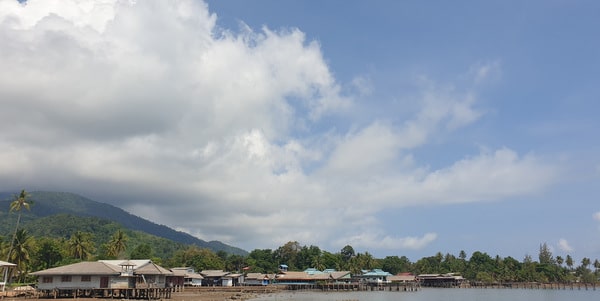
point(80, 245)
point(22, 247)
point(21, 201)
point(117, 243)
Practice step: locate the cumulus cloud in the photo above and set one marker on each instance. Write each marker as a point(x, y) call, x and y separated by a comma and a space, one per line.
point(596, 216)
point(564, 246)
point(148, 104)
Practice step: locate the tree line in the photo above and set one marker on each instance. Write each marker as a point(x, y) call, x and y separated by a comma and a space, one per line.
point(37, 253)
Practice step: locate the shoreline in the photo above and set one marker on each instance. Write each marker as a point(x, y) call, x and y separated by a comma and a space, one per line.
point(247, 293)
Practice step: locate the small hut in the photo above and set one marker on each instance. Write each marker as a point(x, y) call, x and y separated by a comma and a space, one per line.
point(5, 273)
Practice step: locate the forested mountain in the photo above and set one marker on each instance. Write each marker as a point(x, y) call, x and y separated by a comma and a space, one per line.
point(53, 212)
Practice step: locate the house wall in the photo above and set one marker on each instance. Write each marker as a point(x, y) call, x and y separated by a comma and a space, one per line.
point(227, 282)
point(68, 282)
point(253, 282)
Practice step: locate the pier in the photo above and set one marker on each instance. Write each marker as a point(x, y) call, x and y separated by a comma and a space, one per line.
point(535, 285)
point(126, 293)
point(353, 286)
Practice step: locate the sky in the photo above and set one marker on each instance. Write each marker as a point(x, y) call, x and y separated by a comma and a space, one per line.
point(397, 127)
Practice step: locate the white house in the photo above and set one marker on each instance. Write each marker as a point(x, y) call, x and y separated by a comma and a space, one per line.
point(103, 274)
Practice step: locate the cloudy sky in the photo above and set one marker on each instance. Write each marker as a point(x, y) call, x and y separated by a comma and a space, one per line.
point(396, 127)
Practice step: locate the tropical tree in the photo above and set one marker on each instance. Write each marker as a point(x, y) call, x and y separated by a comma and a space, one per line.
point(395, 264)
point(235, 262)
point(19, 202)
point(332, 261)
point(22, 247)
point(354, 265)
point(288, 254)
point(80, 245)
point(48, 253)
point(585, 262)
point(117, 244)
point(262, 261)
point(142, 251)
point(462, 255)
point(559, 260)
point(317, 262)
point(545, 255)
point(569, 262)
point(347, 252)
point(199, 258)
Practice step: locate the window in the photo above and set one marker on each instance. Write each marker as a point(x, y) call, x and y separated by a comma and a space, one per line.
point(86, 278)
point(65, 278)
point(47, 279)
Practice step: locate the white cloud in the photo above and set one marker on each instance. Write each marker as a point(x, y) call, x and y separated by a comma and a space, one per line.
point(482, 72)
point(596, 216)
point(564, 246)
point(368, 239)
point(149, 104)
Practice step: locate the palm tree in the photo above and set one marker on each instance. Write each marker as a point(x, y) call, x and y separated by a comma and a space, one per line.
point(317, 262)
point(569, 262)
point(585, 262)
point(117, 244)
point(22, 245)
point(559, 260)
point(21, 201)
point(80, 245)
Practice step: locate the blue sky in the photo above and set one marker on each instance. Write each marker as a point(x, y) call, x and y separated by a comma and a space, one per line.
point(398, 127)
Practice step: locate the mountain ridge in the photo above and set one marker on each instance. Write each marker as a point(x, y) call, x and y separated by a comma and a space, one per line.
point(48, 203)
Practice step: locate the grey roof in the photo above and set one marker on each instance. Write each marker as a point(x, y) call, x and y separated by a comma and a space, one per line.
point(179, 272)
point(151, 268)
point(213, 273)
point(186, 272)
point(135, 263)
point(106, 267)
point(255, 276)
point(339, 274)
point(81, 268)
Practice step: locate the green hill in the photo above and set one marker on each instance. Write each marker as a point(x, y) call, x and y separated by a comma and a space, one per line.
point(58, 214)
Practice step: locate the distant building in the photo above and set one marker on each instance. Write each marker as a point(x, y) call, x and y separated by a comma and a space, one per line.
point(187, 275)
point(440, 280)
point(214, 277)
point(312, 276)
point(375, 276)
point(258, 279)
point(403, 278)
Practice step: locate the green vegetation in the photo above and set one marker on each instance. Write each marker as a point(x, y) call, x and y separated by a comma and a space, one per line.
point(59, 239)
point(56, 205)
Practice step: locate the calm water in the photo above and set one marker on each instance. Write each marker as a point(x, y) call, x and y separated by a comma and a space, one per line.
point(432, 294)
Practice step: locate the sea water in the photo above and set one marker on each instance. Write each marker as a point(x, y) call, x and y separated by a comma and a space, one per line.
point(440, 294)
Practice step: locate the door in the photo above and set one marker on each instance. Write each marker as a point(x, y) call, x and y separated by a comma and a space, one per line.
point(103, 282)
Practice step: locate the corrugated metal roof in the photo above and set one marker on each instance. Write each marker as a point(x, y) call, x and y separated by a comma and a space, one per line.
point(151, 269)
point(377, 272)
point(82, 268)
point(106, 267)
point(213, 273)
